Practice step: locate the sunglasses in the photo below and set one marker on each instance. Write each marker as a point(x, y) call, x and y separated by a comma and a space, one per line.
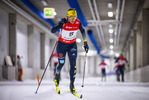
point(72, 17)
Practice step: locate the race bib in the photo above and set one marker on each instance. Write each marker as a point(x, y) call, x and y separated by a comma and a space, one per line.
point(121, 62)
point(102, 66)
point(68, 35)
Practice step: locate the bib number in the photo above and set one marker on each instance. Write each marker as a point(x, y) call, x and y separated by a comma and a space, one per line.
point(68, 35)
point(71, 33)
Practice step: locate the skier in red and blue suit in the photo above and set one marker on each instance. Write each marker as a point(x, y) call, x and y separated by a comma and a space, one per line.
point(121, 66)
point(103, 69)
point(67, 43)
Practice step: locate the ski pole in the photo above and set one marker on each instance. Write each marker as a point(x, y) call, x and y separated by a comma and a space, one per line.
point(46, 67)
point(84, 69)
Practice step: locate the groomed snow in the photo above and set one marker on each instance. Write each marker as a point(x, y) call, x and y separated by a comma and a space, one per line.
point(94, 89)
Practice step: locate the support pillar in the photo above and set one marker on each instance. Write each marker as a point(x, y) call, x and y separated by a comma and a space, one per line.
point(134, 49)
point(30, 46)
point(131, 54)
point(145, 37)
point(12, 37)
point(12, 72)
point(42, 49)
point(138, 45)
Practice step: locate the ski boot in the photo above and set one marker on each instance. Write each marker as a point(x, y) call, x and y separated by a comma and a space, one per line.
point(72, 88)
point(56, 80)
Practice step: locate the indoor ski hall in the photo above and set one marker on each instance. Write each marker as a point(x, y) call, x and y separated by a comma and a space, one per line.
point(74, 49)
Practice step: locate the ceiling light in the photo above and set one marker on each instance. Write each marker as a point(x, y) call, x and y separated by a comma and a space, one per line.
point(111, 40)
point(110, 26)
point(110, 14)
point(110, 5)
point(117, 54)
point(110, 30)
point(78, 40)
point(44, 2)
point(111, 47)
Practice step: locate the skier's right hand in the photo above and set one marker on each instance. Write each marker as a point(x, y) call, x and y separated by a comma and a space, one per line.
point(86, 47)
point(63, 20)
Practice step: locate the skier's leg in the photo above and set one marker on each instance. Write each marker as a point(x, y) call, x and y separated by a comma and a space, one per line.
point(72, 54)
point(105, 75)
point(61, 52)
point(102, 75)
point(123, 74)
point(118, 73)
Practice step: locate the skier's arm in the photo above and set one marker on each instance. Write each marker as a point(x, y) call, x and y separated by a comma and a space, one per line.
point(59, 25)
point(127, 62)
point(82, 32)
point(86, 47)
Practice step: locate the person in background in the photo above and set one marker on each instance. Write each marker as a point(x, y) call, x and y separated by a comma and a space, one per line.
point(20, 69)
point(121, 66)
point(103, 69)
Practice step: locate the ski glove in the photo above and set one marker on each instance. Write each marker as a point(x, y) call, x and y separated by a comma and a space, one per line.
point(63, 20)
point(86, 47)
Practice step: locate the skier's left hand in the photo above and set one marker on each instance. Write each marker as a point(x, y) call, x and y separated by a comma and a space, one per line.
point(86, 47)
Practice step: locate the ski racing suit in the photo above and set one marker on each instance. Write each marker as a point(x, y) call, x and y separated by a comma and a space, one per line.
point(103, 68)
point(67, 43)
point(121, 66)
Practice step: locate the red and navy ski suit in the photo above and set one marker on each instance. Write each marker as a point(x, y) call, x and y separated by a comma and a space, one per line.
point(103, 68)
point(67, 43)
point(121, 65)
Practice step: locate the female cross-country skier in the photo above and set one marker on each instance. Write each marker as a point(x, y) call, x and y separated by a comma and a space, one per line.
point(67, 43)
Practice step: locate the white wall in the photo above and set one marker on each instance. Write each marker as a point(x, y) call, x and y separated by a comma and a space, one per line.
point(47, 49)
point(109, 64)
point(86, 66)
point(98, 69)
point(22, 42)
point(91, 65)
point(138, 75)
point(112, 65)
point(139, 49)
point(22, 46)
point(82, 64)
point(4, 36)
point(36, 49)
